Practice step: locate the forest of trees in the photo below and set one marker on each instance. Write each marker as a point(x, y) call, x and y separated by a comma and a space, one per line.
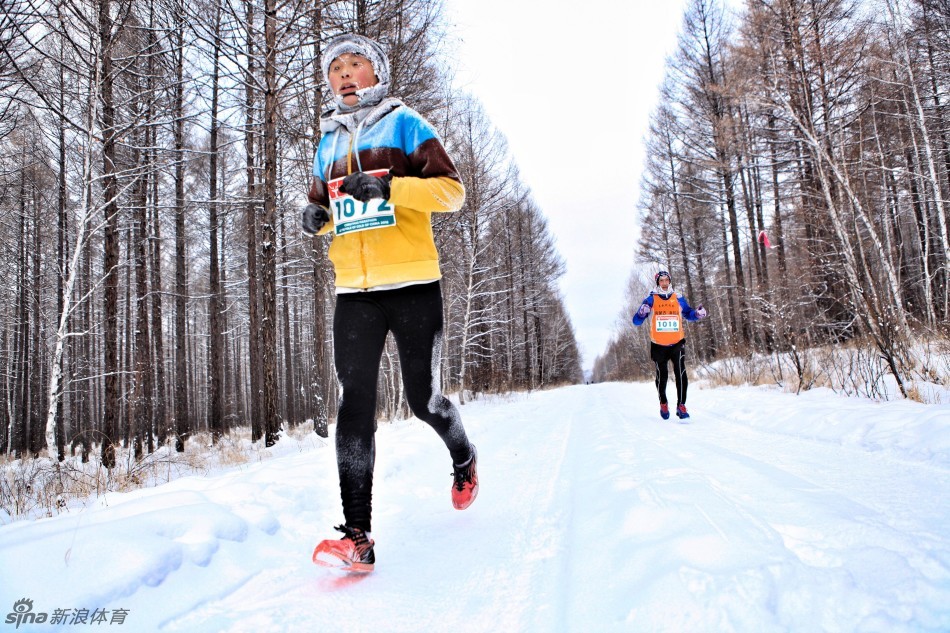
point(826, 124)
point(154, 159)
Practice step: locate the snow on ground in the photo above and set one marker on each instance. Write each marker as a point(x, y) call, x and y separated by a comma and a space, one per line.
point(767, 512)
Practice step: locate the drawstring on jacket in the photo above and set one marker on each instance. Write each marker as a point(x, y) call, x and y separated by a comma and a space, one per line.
point(354, 150)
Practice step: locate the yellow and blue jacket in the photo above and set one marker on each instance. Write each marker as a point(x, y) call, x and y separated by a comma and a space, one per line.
point(393, 137)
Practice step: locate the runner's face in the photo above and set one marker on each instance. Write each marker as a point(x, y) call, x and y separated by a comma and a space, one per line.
point(348, 73)
point(664, 283)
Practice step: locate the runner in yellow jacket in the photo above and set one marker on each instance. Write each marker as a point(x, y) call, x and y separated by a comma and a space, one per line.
point(378, 175)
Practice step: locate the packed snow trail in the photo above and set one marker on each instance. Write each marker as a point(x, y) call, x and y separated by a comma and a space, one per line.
point(767, 512)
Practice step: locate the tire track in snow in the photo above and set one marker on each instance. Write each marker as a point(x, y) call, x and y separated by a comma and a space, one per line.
point(530, 479)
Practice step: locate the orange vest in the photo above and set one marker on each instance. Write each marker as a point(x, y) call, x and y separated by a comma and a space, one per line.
point(666, 321)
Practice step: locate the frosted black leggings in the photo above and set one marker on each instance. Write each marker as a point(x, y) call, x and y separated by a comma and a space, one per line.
point(360, 324)
point(662, 355)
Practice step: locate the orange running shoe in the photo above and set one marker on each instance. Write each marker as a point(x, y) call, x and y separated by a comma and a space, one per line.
point(465, 486)
point(353, 552)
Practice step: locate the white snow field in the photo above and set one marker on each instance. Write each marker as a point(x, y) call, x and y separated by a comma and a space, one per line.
point(767, 512)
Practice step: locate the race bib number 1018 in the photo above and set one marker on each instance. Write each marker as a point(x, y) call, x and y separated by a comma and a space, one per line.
point(350, 215)
point(667, 324)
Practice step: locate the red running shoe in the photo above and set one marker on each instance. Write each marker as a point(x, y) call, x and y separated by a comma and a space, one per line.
point(353, 552)
point(465, 486)
point(665, 411)
point(681, 411)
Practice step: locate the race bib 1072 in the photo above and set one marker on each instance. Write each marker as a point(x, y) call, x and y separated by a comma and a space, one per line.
point(351, 216)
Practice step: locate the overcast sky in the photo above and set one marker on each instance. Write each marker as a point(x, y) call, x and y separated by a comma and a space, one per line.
point(571, 86)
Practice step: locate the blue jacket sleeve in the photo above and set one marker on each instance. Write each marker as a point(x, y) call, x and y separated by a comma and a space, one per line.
point(637, 320)
point(688, 313)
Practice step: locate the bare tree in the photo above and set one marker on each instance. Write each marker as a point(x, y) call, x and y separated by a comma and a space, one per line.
point(127, 119)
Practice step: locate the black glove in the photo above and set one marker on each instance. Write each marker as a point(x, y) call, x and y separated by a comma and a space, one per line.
point(313, 219)
point(363, 187)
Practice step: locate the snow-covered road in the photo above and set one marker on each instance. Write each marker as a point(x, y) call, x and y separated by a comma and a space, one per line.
point(768, 512)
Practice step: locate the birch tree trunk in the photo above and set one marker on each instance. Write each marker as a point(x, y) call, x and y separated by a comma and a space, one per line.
point(894, 9)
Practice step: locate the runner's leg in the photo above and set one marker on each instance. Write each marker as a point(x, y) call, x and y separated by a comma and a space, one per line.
point(659, 356)
point(679, 367)
point(415, 316)
point(359, 333)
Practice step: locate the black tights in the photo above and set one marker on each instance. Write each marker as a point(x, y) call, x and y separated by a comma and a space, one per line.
point(663, 354)
point(360, 325)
